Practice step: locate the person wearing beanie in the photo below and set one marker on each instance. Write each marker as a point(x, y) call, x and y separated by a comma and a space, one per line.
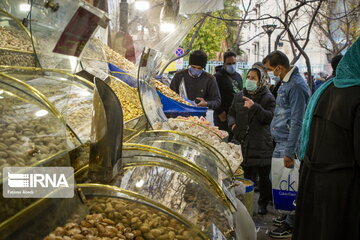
point(195, 84)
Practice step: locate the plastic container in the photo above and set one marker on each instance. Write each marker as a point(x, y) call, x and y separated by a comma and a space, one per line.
point(248, 198)
point(173, 109)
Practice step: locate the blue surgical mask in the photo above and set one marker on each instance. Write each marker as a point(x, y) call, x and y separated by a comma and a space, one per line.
point(195, 72)
point(251, 85)
point(231, 69)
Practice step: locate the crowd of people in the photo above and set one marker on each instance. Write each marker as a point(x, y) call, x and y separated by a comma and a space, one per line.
point(284, 121)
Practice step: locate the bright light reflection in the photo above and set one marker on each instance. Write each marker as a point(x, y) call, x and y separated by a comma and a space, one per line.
point(84, 93)
point(142, 5)
point(24, 7)
point(41, 113)
point(167, 27)
point(73, 62)
point(139, 183)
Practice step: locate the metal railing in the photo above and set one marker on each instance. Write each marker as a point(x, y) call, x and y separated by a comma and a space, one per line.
point(210, 66)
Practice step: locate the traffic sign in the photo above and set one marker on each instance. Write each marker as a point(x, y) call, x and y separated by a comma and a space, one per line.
point(179, 52)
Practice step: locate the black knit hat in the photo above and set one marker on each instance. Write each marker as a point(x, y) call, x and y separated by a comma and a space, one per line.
point(198, 58)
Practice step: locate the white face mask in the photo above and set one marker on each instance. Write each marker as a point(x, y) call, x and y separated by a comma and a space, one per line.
point(251, 85)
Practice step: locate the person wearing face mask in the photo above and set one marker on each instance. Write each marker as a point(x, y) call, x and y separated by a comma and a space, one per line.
point(196, 84)
point(249, 118)
point(229, 82)
point(291, 101)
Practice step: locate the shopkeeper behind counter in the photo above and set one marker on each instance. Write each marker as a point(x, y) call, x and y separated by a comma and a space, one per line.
point(195, 84)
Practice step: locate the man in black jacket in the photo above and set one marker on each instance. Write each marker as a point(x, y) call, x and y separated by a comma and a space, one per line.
point(229, 83)
point(196, 84)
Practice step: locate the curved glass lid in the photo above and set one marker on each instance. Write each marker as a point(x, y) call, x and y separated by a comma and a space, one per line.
point(136, 215)
point(32, 131)
point(150, 101)
point(195, 153)
point(184, 139)
point(230, 152)
point(178, 186)
point(184, 125)
point(70, 94)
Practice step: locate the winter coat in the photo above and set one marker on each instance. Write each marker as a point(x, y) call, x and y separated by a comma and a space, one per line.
point(253, 126)
point(328, 201)
point(225, 82)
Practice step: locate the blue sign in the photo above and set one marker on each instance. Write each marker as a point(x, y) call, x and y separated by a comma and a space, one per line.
point(179, 52)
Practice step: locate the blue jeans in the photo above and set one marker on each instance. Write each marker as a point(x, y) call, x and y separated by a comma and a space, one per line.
point(279, 152)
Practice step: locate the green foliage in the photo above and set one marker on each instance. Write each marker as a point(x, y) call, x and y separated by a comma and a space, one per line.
point(215, 31)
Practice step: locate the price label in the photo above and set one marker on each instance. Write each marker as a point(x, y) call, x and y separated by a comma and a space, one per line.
point(229, 195)
point(217, 234)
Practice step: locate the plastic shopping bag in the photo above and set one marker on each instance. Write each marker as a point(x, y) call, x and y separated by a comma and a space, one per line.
point(284, 185)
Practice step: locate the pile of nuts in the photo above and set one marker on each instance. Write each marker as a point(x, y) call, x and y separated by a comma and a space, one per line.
point(117, 219)
point(13, 38)
point(230, 151)
point(169, 93)
point(118, 60)
point(26, 139)
point(10, 58)
point(129, 99)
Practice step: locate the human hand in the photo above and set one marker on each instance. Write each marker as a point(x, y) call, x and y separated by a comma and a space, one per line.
point(222, 116)
point(202, 102)
point(288, 162)
point(248, 102)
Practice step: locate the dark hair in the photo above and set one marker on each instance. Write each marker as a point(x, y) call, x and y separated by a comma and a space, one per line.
point(198, 57)
point(229, 54)
point(335, 61)
point(257, 72)
point(261, 65)
point(276, 58)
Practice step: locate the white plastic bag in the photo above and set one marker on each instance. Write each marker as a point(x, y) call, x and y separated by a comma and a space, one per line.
point(284, 185)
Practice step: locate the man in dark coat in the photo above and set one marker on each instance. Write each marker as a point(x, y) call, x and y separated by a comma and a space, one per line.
point(229, 82)
point(328, 203)
point(196, 84)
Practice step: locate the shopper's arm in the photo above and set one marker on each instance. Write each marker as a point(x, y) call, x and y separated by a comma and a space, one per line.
point(231, 117)
point(213, 97)
point(220, 108)
point(298, 100)
point(265, 114)
point(175, 83)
